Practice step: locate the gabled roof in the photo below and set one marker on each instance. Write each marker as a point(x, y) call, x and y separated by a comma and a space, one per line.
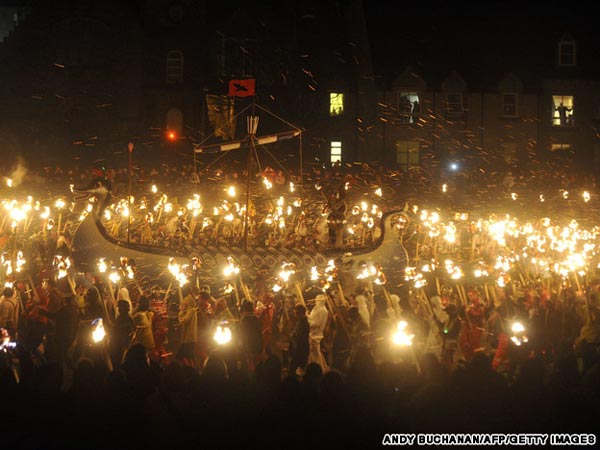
point(409, 79)
point(482, 44)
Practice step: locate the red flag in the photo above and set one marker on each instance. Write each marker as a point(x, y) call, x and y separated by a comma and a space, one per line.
point(242, 88)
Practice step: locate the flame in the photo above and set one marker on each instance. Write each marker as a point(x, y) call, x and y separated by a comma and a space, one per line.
point(222, 335)
point(177, 272)
point(401, 337)
point(102, 265)
point(99, 333)
point(366, 272)
point(231, 268)
point(228, 289)
point(586, 196)
point(114, 277)
point(518, 337)
point(287, 270)
point(62, 265)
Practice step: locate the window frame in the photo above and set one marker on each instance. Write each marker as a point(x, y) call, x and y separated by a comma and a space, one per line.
point(335, 157)
point(332, 97)
point(174, 67)
point(562, 54)
point(450, 113)
point(410, 147)
point(515, 104)
point(555, 115)
point(408, 117)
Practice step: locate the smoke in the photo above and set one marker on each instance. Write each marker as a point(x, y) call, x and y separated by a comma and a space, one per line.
point(18, 172)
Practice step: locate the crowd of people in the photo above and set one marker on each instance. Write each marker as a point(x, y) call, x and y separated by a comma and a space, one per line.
point(295, 368)
point(320, 369)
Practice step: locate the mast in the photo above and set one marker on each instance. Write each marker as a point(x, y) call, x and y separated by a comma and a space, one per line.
point(252, 126)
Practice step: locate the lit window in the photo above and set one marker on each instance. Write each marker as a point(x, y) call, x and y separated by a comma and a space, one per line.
point(560, 147)
point(562, 110)
point(509, 105)
point(454, 104)
point(174, 67)
point(407, 154)
point(409, 106)
point(336, 151)
point(566, 54)
point(336, 104)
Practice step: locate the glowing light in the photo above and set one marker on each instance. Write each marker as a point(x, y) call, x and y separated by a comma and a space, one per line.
point(62, 265)
point(222, 335)
point(518, 337)
point(114, 277)
point(586, 196)
point(17, 214)
point(99, 333)
point(228, 289)
point(20, 261)
point(267, 183)
point(401, 337)
point(102, 267)
point(378, 192)
point(366, 272)
point(231, 268)
point(177, 271)
point(314, 273)
point(444, 187)
point(9, 182)
point(287, 270)
point(231, 191)
point(517, 327)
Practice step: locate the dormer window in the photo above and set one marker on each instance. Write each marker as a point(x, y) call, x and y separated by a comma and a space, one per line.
point(567, 52)
point(509, 105)
point(454, 104)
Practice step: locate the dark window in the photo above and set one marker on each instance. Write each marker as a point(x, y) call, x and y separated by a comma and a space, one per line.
point(566, 54)
point(454, 104)
point(509, 105)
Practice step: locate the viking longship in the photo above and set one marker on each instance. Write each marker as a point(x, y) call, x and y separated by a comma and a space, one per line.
point(91, 242)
